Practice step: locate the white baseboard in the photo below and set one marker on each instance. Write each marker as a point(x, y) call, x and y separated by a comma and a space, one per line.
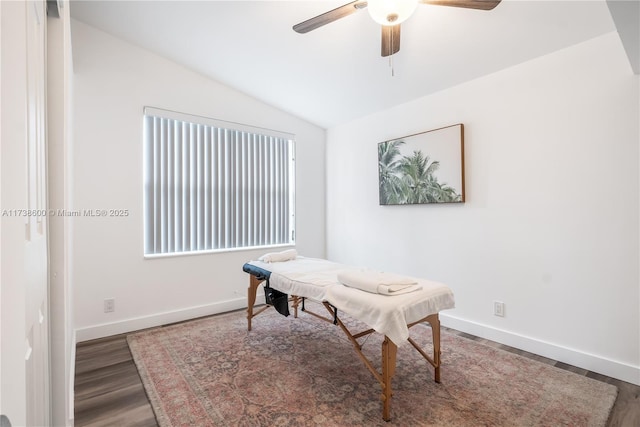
point(72, 380)
point(591, 362)
point(159, 319)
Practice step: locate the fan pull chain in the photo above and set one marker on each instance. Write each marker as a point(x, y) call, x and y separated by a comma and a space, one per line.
point(391, 55)
point(391, 65)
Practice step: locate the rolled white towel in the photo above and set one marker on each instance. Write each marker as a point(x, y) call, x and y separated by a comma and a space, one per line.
point(287, 255)
point(378, 282)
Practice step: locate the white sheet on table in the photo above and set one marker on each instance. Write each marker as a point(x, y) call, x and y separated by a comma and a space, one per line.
point(389, 315)
point(303, 277)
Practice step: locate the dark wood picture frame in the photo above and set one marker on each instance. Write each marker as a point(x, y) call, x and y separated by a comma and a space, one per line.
point(423, 168)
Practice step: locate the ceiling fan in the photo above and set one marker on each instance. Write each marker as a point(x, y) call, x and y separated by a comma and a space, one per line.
point(388, 13)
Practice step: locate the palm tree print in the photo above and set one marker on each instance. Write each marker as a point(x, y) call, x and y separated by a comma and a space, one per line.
point(389, 168)
point(410, 179)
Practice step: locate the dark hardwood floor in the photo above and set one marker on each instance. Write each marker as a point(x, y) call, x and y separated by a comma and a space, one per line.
point(109, 392)
point(108, 389)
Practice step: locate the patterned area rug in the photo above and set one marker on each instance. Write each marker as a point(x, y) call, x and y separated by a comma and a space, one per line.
point(304, 372)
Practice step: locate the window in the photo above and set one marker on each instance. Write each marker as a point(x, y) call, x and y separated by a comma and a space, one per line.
point(213, 186)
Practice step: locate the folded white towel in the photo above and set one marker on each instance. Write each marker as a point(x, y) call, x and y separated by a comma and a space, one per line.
point(378, 282)
point(287, 255)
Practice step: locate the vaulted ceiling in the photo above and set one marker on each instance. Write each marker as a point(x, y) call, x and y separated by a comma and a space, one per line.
point(335, 74)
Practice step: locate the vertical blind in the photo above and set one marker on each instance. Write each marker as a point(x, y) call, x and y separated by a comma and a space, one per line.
point(211, 185)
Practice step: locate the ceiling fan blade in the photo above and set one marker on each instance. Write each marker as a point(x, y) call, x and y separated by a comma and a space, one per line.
point(328, 17)
point(468, 4)
point(390, 39)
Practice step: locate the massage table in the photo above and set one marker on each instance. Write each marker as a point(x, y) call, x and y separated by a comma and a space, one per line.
point(390, 315)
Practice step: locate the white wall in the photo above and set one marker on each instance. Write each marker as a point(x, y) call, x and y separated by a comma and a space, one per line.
point(551, 222)
point(113, 81)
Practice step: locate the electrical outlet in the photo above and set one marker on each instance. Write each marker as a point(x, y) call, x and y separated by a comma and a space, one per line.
point(110, 305)
point(498, 308)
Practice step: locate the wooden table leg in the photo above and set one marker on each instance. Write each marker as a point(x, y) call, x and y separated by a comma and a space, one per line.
point(434, 321)
point(389, 352)
point(251, 297)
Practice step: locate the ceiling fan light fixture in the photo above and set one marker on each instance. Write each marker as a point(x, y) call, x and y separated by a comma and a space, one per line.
point(391, 12)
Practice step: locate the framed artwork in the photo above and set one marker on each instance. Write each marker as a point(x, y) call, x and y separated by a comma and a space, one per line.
point(426, 167)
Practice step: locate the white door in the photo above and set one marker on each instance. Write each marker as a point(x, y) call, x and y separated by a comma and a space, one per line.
point(37, 302)
point(24, 337)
